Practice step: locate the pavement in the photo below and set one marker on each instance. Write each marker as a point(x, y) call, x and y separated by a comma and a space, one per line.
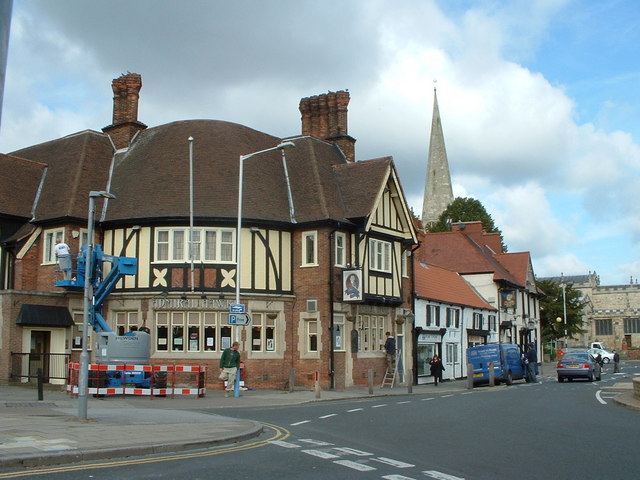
point(47, 432)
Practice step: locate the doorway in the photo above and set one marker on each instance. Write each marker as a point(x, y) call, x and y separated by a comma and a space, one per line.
point(39, 353)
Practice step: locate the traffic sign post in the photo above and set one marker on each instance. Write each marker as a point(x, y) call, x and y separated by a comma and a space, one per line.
point(237, 308)
point(239, 319)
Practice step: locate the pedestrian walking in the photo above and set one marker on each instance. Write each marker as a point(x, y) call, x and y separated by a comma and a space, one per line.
point(616, 362)
point(229, 366)
point(436, 369)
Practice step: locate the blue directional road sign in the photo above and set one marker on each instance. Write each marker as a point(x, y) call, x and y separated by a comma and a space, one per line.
point(237, 308)
point(239, 319)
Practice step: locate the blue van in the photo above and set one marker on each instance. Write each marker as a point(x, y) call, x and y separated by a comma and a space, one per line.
point(507, 363)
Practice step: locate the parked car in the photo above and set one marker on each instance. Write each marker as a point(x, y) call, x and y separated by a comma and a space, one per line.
point(606, 356)
point(578, 365)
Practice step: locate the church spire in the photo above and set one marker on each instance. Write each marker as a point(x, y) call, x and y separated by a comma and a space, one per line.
point(437, 193)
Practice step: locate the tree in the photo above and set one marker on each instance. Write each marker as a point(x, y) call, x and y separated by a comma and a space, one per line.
point(552, 308)
point(466, 209)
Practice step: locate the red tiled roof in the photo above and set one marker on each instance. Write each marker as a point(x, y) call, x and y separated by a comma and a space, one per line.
point(440, 284)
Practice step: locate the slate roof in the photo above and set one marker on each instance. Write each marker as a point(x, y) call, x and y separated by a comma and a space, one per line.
point(19, 184)
point(150, 179)
point(76, 164)
point(442, 285)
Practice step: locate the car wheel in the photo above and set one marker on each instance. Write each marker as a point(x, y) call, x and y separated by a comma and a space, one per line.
point(560, 379)
point(509, 379)
point(590, 377)
point(606, 360)
point(570, 379)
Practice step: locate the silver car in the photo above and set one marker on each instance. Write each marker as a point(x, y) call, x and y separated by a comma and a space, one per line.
point(578, 365)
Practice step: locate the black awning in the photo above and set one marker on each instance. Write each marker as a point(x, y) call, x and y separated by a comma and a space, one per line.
point(44, 316)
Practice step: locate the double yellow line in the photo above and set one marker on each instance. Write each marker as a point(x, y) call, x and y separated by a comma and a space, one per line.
point(279, 433)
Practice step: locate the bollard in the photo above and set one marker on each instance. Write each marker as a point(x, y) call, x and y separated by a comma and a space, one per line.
point(40, 386)
point(370, 381)
point(317, 385)
point(492, 375)
point(292, 379)
point(470, 376)
point(410, 381)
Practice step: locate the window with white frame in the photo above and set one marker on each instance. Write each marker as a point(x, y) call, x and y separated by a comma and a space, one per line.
point(341, 250)
point(493, 323)
point(478, 321)
point(405, 261)
point(433, 315)
point(263, 333)
point(371, 332)
point(309, 249)
point(126, 322)
point(76, 333)
point(210, 245)
point(311, 326)
point(196, 331)
point(50, 239)
point(453, 317)
point(379, 255)
point(452, 353)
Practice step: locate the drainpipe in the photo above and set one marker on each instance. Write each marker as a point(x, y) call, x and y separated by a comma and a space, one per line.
point(332, 377)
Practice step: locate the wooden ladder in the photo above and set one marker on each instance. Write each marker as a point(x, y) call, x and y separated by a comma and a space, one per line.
point(390, 375)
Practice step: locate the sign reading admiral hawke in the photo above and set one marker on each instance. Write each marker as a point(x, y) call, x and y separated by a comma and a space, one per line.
point(191, 303)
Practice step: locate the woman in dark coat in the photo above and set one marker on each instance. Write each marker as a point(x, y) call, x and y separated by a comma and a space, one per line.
point(436, 369)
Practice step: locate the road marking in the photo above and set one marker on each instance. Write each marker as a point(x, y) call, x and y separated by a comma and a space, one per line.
point(450, 395)
point(599, 398)
point(401, 403)
point(284, 444)
point(300, 423)
point(353, 451)
point(329, 415)
point(440, 475)
point(378, 406)
point(393, 463)
point(355, 465)
point(467, 393)
point(425, 399)
point(355, 410)
point(320, 454)
point(397, 477)
point(315, 442)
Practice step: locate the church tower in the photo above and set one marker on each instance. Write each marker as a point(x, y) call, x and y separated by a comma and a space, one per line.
point(438, 193)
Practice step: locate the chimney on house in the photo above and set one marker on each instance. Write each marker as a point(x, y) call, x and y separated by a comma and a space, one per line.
point(126, 92)
point(325, 117)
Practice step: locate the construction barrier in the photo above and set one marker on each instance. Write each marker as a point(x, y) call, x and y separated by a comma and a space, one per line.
point(163, 380)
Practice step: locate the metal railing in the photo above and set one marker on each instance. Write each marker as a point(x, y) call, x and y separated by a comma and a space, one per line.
point(24, 366)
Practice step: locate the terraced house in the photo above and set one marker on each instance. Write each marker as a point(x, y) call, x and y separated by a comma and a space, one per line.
point(324, 243)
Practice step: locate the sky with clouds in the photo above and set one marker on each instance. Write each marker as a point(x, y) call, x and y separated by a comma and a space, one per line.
point(539, 99)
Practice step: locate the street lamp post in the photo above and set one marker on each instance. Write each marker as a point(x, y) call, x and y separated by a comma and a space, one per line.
point(280, 146)
point(83, 381)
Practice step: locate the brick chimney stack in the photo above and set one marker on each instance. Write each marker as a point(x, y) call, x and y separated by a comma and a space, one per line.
point(126, 92)
point(325, 117)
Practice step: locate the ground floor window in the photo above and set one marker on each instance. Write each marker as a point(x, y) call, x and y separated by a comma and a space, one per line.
point(312, 335)
point(126, 322)
point(197, 331)
point(76, 334)
point(425, 352)
point(452, 353)
point(338, 332)
point(263, 333)
point(604, 327)
point(371, 335)
point(632, 325)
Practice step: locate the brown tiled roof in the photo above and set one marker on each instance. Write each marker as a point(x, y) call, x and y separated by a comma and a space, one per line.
point(360, 183)
point(76, 165)
point(19, 183)
point(442, 285)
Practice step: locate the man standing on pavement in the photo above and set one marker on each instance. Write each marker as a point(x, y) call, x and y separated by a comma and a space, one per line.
point(229, 365)
point(532, 360)
point(616, 362)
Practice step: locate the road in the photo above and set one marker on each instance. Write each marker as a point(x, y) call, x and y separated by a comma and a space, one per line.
point(526, 431)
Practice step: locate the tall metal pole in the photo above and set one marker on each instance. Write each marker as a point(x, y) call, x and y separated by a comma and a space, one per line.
point(191, 210)
point(83, 381)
